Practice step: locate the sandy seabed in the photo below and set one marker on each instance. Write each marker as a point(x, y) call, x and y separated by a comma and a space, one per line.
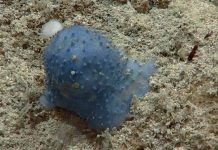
point(181, 110)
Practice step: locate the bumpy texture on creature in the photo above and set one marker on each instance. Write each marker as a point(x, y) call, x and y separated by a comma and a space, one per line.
point(87, 75)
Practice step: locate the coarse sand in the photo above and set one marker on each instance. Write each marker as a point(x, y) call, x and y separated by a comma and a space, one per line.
point(181, 110)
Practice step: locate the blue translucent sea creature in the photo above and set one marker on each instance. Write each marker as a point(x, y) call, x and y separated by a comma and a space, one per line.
point(87, 75)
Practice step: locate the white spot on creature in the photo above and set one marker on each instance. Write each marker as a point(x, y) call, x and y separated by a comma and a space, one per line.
point(51, 28)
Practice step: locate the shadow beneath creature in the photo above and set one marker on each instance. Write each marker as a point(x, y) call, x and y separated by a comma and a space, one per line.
point(71, 129)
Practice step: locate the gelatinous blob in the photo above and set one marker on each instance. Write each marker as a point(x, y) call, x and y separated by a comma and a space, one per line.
point(91, 78)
